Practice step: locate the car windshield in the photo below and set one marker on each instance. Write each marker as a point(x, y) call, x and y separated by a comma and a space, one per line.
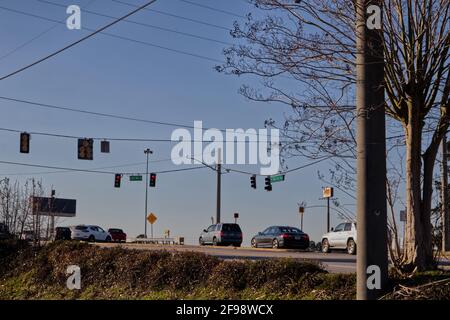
point(115, 230)
point(290, 230)
point(81, 228)
point(231, 228)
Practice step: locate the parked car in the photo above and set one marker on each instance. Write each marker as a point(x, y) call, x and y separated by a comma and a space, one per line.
point(341, 237)
point(89, 233)
point(117, 235)
point(63, 233)
point(27, 235)
point(4, 232)
point(222, 234)
point(281, 237)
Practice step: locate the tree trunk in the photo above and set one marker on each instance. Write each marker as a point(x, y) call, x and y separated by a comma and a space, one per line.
point(427, 228)
point(414, 233)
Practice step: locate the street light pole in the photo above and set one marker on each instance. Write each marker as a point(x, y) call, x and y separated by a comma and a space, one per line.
point(147, 152)
point(219, 176)
point(372, 257)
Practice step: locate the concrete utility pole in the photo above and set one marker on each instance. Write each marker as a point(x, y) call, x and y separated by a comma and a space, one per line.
point(219, 176)
point(445, 217)
point(372, 256)
point(147, 153)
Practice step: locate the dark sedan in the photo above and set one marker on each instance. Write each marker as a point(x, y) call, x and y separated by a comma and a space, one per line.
point(63, 233)
point(281, 237)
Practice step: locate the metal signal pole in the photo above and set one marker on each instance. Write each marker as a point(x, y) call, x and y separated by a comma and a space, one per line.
point(372, 257)
point(147, 152)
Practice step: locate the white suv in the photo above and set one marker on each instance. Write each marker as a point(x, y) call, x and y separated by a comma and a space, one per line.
point(342, 237)
point(89, 233)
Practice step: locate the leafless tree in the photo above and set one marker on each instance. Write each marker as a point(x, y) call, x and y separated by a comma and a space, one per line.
point(304, 54)
point(16, 209)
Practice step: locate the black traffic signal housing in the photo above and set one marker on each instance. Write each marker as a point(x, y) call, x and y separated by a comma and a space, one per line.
point(24, 142)
point(86, 149)
point(152, 179)
point(253, 181)
point(117, 180)
point(268, 186)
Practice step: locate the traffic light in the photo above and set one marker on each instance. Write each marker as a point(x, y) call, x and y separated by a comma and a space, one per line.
point(86, 149)
point(253, 181)
point(152, 179)
point(268, 186)
point(24, 142)
point(117, 180)
point(104, 146)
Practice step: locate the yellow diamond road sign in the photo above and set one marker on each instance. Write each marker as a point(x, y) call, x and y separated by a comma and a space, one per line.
point(151, 218)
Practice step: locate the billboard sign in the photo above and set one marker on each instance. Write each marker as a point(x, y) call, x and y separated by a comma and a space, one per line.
point(54, 207)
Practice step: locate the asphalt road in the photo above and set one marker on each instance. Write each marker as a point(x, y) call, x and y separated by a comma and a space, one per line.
point(336, 262)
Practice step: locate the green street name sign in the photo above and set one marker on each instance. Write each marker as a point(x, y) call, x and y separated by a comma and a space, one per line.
point(135, 178)
point(277, 178)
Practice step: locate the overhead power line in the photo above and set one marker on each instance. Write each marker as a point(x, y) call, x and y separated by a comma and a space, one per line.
point(168, 14)
point(128, 39)
point(64, 136)
point(144, 24)
point(213, 9)
point(101, 114)
point(93, 171)
point(26, 43)
point(284, 172)
point(76, 42)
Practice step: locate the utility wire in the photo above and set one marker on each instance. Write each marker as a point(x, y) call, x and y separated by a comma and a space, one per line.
point(93, 171)
point(144, 24)
point(145, 43)
point(106, 115)
point(23, 45)
point(213, 9)
point(104, 138)
point(176, 16)
point(100, 114)
point(99, 168)
point(76, 42)
point(283, 172)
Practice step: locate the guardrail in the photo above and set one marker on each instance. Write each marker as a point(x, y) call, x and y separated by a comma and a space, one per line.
point(177, 240)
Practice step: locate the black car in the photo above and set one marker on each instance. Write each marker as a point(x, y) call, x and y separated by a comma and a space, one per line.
point(63, 233)
point(281, 237)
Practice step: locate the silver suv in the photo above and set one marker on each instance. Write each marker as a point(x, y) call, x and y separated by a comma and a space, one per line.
point(222, 234)
point(341, 237)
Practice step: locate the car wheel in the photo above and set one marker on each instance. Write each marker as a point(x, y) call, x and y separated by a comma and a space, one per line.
point(237, 245)
point(108, 239)
point(254, 243)
point(200, 242)
point(91, 238)
point(275, 244)
point(325, 246)
point(351, 247)
point(215, 243)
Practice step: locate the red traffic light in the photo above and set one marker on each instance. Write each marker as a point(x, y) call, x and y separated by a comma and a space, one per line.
point(117, 180)
point(152, 179)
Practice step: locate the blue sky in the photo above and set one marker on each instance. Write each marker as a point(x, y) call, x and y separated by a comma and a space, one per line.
point(105, 74)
